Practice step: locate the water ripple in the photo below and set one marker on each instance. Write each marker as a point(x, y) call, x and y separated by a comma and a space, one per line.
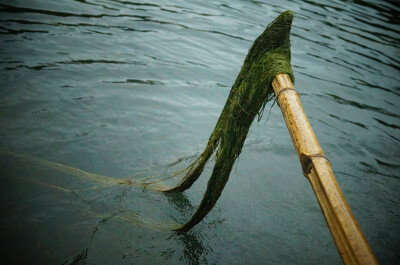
point(343, 101)
point(118, 86)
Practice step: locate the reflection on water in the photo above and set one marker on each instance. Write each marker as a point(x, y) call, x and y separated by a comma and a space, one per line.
point(128, 88)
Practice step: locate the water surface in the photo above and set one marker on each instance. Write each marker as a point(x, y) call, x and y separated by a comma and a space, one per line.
point(122, 89)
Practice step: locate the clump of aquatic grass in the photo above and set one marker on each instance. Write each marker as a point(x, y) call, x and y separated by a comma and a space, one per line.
point(269, 56)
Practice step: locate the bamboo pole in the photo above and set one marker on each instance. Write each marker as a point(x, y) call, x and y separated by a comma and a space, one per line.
point(350, 241)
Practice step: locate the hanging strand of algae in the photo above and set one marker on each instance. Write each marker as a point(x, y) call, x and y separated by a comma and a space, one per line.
point(152, 182)
point(269, 55)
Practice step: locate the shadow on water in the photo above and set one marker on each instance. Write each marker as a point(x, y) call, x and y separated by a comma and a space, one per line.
point(194, 251)
point(78, 259)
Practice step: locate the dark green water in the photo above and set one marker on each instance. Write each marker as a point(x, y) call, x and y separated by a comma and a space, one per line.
point(118, 88)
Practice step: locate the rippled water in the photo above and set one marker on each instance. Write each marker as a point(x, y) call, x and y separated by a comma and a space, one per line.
point(118, 88)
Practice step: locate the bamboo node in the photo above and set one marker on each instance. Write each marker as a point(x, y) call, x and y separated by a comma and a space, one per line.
point(283, 90)
point(307, 163)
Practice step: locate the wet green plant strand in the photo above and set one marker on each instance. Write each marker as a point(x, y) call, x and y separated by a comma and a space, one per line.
point(269, 56)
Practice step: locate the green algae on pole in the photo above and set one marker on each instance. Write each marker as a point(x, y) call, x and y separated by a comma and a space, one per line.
point(269, 56)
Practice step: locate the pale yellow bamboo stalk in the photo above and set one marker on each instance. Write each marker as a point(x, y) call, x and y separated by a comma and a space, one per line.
point(350, 241)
